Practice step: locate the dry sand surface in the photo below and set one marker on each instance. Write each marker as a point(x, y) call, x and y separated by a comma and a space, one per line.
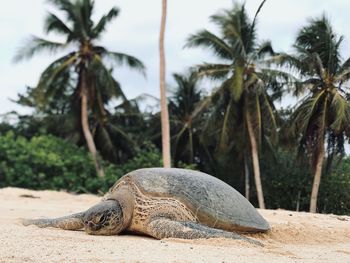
point(295, 237)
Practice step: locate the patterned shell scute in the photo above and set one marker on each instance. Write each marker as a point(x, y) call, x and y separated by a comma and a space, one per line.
point(210, 199)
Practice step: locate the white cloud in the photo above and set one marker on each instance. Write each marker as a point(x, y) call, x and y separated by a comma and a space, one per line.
point(136, 32)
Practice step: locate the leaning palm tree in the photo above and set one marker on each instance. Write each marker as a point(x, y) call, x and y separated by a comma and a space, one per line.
point(83, 67)
point(242, 99)
point(323, 115)
point(163, 100)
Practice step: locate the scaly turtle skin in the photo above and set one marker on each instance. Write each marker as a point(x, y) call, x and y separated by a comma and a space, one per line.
point(167, 203)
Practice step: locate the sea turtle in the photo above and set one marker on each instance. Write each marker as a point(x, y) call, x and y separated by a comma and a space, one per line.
point(166, 203)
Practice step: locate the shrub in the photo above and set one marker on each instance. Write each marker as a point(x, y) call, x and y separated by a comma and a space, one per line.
point(335, 190)
point(48, 162)
point(288, 185)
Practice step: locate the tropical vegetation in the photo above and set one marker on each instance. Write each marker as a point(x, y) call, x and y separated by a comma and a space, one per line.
point(323, 114)
point(80, 83)
point(292, 158)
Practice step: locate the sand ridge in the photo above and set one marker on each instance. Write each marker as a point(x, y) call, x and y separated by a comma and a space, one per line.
point(295, 237)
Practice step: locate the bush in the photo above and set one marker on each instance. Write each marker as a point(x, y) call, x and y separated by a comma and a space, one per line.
point(335, 190)
point(47, 162)
point(288, 185)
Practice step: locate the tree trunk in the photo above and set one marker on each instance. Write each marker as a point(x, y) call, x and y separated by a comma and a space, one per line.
point(246, 176)
point(163, 99)
point(317, 179)
point(85, 125)
point(190, 135)
point(298, 201)
point(255, 161)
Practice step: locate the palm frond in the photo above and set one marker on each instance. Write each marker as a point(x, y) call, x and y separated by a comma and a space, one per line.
point(73, 12)
point(35, 45)
point(206, 39)
point(213, 71)
point(318, 37)
point(236, 29)
point(124, 59)
point(252, 26)
point(225, 129)
point(285, 81)
point(303, 116)
point(55, 24)
point(55, 78)
point(105, 82)
point(55, 68)
point(285, 60)
point(101, 24)
point(269, 112)
point(265, 48)
point(343, 75)
point(345, 65)
point(340, 109)
point(87, 7)
point(317, 63)
point(236, 84)
point(54, 87)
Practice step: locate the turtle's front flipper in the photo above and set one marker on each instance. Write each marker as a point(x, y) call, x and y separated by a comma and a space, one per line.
point(165, 228)
point(71, 222)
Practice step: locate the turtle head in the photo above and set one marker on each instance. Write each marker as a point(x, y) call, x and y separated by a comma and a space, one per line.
point(105, 218)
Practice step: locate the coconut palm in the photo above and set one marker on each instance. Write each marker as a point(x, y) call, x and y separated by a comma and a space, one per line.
point(185, 119)
point(84, 66)
point(242, 104)
point(163, 100)
point(323, 115)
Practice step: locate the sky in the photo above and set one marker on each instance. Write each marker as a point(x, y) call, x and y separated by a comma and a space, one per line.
point(136, 31)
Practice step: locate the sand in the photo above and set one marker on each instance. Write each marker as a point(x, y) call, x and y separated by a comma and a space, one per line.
point(295, 237)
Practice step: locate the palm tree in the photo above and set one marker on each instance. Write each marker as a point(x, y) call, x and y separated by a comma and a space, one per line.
point(83, 67)
point(185, 119)
point(163, 100)
point(241, 102)
point(323, 115)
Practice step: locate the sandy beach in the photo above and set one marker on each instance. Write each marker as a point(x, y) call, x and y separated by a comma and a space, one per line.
point(295, 237)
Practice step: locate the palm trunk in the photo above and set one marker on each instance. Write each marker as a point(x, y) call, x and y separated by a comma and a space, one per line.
point(255, 160)
point(319, 161)
point(85, 125)
point(317, 179)
point(163, 100)
point(246, 176)
point(190, 135)
point(298, 201)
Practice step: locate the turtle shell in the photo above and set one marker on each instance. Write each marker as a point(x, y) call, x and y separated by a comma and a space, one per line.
point(213, 202)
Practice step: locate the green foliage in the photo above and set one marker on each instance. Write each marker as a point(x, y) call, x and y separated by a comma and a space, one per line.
point(246, 89)
point(287, 185)
point(324, 112)
point(335, 190)
point(209, 132)
point(85, 68)
point(47, 162)
point(44, 162)
point(185, 110)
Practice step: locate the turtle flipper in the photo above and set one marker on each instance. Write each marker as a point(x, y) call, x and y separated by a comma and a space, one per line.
point(71, 222)
point(165, 228)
